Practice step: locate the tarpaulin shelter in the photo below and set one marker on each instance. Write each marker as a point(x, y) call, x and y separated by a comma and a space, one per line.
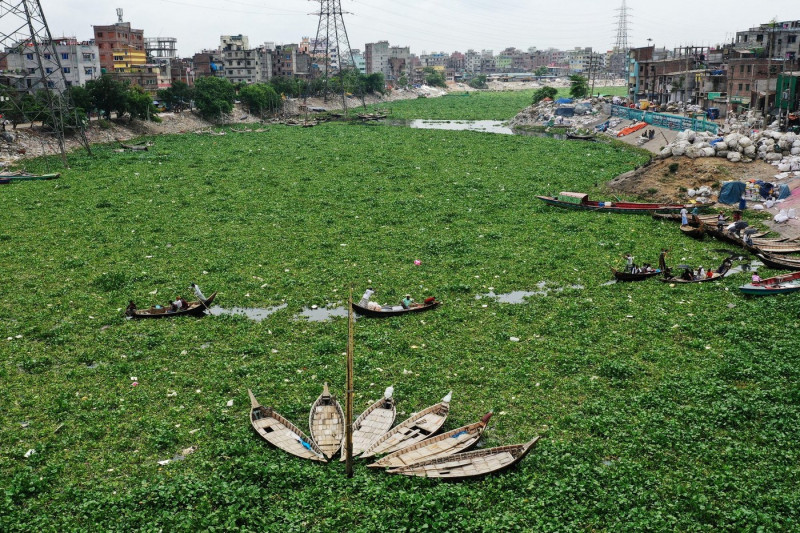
point(564, 101)
point(731, 192)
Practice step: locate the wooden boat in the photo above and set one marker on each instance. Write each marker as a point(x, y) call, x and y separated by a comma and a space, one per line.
point(579, 200)
point(373, 423)
point(281, 433)
point(454, 441)
point(26, 176)
point(195, 309)
point(628, 276)
point(676, 217)
point(695, 232)
point(469, 464)
point(779, 262)
point(579, 137)
point(5, 181)
point(783, 284)
point(715, 276)
point(777, 247)
point(417, 427)
point(395, 310)
point(326, 422)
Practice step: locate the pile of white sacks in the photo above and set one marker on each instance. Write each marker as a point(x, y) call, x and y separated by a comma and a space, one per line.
point(779, 149)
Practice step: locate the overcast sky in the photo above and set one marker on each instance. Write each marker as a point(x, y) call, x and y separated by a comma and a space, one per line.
point(427, 25)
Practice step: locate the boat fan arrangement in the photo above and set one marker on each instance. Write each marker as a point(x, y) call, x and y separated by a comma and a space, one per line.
point(411, 448)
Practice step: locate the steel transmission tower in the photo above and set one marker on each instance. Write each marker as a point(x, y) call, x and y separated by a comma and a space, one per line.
point(620, 49)
point(28, 37)
point(332, 42)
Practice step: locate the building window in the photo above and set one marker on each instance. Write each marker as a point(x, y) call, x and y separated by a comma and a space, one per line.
point(747, 87)
point(31, 71)
point(64, 55)
point(88, 71)
point(749, 69)
point(791, 39)
point(48, 70)
point(47, 56)
point(99, 35)
point(66, 70)
point(759, 38)
point(740, 86)
point(741, 69)
point(29, 56)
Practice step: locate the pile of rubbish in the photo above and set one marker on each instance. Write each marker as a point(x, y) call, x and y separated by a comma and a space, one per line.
point(780, 149)
point(563, 112)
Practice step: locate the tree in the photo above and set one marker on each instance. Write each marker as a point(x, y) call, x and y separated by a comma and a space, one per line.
point(375, 83)
point(434, 78)
point(81, 98)
point(214, 96)
point(259, 98)
point(544, 92)
point(176, 97)
point(578, 86)
point(402, 81)
point(541, 71)
point(108, 95)
point(140, 104)
point(478, 82)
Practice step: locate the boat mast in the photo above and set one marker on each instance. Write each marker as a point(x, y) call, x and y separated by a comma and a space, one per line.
point(348, 403)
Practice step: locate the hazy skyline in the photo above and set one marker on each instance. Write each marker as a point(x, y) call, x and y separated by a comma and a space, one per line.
point(447, 25)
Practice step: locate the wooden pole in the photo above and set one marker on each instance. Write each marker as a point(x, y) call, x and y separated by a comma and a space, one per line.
point(348, 404)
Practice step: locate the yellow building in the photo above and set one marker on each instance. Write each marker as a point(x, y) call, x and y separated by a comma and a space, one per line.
point(128, 59)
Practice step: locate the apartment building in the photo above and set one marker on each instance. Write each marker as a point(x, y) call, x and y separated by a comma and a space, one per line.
point(114, 39)
point(78, 60)
point(240, 63)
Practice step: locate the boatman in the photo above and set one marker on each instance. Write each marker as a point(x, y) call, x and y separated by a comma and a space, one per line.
point(198, 292)
point(628, 263)
point(662, 260)
point(684, 217)
point(365, 299)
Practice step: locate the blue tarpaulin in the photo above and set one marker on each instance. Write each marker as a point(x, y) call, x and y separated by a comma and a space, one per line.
point(564, 101)
point(565, 112)
point(783, 191)
point(731, 192)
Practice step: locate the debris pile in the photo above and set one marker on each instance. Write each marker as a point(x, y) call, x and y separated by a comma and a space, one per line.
point(780, 149)
point(563, 112)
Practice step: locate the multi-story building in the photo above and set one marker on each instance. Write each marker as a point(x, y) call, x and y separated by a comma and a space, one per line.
point(79, 62)
point(161, 49)
point(113, 39)
point(472, 61)
point(779, 40)
point(399, 63)
point(376, 58)
point(241, 64)
point(208, 63)
point(289, 61)
point(150, 77)
point(182, 69)
point(360, 62)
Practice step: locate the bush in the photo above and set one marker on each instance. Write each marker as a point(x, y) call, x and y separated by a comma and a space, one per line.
point(673, 168)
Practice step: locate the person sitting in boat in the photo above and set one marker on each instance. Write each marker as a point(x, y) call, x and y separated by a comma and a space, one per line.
point(184, 303)
point(647, 269)
point(407, 301)
point(131, 309)
point(710, 273)
point(198, 292)
point(701, 273)
point(687, 274)
point(725, 266)
point(364, 301)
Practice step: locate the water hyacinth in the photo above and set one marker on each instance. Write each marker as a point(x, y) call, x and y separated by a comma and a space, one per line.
point(703, 438)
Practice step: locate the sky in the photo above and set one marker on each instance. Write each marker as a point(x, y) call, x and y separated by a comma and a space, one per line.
point(427, 25)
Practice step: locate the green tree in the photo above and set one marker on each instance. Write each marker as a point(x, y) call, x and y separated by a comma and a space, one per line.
point(478, 82)
point(214, 96)
point(81, 98)
point(177, 96)
point(434, 78)
point(260, 98)
point(108, 95)
point(402, 81)
point(544, 92)
point(578, 86)
point(541, 71)
point(140, 104)
point(375, 83)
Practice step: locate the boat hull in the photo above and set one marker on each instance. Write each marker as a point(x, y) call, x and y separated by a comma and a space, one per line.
point(619, 207)
point(383, 314)
point(197, 309)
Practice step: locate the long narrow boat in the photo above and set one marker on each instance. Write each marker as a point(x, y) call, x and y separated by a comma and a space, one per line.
point(715, 276)
point(579, 200)
point(779, 262)
point(629, 276)
point(395, 310)
point(195, 309)
point(676, 217)
point(417, 427)
point(783, 284)
point(26, 176)
point(373, 423)
point(695, 232)
point(579, 137)
point(326, 422)
point(776, 247)
point(469, 464)
point(281, 433)
point(457, 440)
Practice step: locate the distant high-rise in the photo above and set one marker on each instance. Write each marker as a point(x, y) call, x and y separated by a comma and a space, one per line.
point(121, 37)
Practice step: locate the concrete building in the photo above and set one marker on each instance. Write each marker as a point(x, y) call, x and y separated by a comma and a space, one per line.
point(114, 39)
point(161, 49)
point(289, 61)
point(150, 77)
point(79, 62)
point(779, 40)
point(241, 64)
point(376, 58)
point(208, 63)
